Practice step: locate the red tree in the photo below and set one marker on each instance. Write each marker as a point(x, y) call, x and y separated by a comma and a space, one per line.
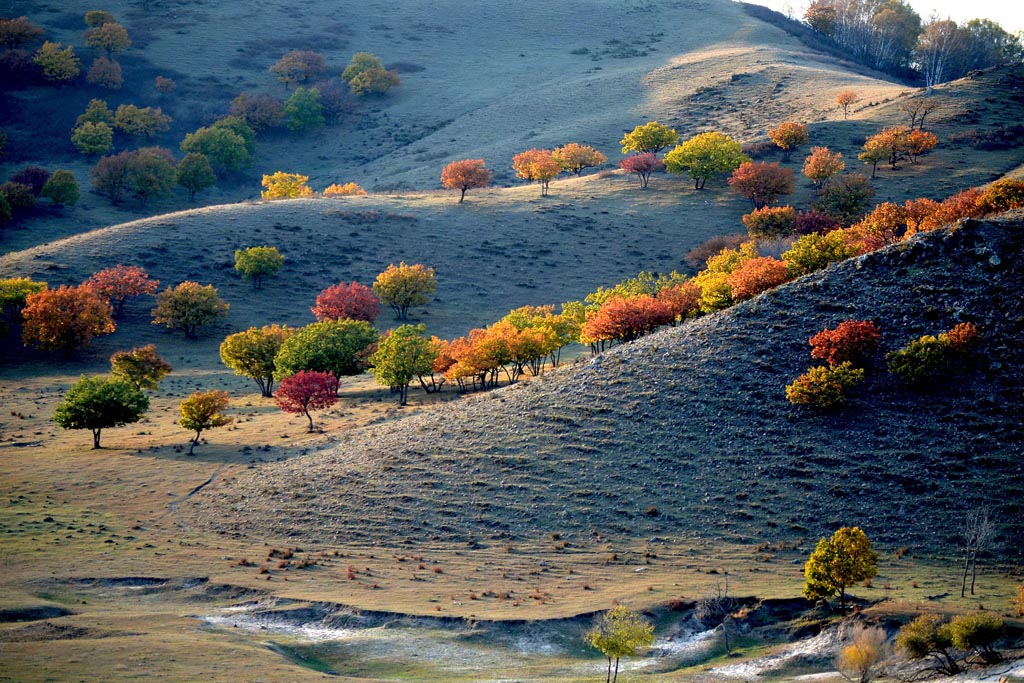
point(307, 390)
point(849, 341)
point(643, 165)
point(755, 276)
point(119, 283)
point(465, 175)
point(621, 319)
point(682, 299)
point(762, 183)
point(352, 302)
point(66, 318)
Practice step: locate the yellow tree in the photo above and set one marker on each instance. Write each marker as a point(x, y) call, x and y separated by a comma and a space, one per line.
point(839, 562)
point(203, 410)
point(58, 63)
point(404, 286)
point(705, 156)
point(281, 185)
point(537, 166)
point(861, 660)
point(788, 136)
point(649, 137)
point(575, 157)
point(822, 163)
point(346, 190)
point(621, 632)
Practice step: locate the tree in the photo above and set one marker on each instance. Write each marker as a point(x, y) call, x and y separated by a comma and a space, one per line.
point(110, 37)
point(822, 163)
point(845, 197)
point(623, 319)
point(96, 111)
point(771, 222)
point(575, 157)
point(17, 32)
point(346, 190)
point(120, 283)
point(642, 166)
point(762, 183)
point(258, 263)
point(98, 403)
point(755, 276)
point(59, 64)
point(305, 391)
point(824, 388)
point(1002, 195)
point(789, 135)
point(353, 301)
point(937, 50)
point(536, 165)
point(845, 98)
point(298, 66)
point(621, 632)
point(252, 353)
point(335, 98)
point(401, 287)
point(929, 636)
point(225, 149)
point(195, 173)
point(33, 176)
point(203, 410)
point(61, 188)
point(259, 111)
point(164, 85)
point(464, 175)
point(705, 156)
point(93, 138)
point(141, 121)
point(303, 110)
point(281, 185)
point(977, 533)
point(65, 319)
point(851, 340)
point(977, 633)
point(339, 347)
point(374, 82)
point(141, 366)
point(360, 62)
point(402, 356)
point(96, 18)
point(649, 137)
point(19, 196)
point(920, 142)
point(239, 127)
point(838, 562)
point(815, 251)
point(861, 660)
point(917, 108)
point(151, 173)
point(105, 73)
point(111, 176)
point(188, 307)
point(13, 295)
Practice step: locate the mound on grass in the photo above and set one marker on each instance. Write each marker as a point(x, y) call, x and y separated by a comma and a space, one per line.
point(688, 432)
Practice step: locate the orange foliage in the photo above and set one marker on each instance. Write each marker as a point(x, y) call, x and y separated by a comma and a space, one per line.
point(964, 204)
point(762, 183)
point(464, 175)
point(788, 136)
point(537, 165)
point(755, 276)
point(683, 300)
point(66, 318)
point(625, 319)
point(886, 222)
point(575, 157)
point(822, 163)
point(962, 337)
point(849, 341)
point(844, 99)
point(918, 211)
point(119, 283)
point(346, 190)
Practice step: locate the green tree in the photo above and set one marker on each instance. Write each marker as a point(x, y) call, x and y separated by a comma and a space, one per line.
point(14, 294)
point(977, 632)
point(151, 173)
point(97, 403)
point(258, 263)
point(839, 562)
point(361, 61)
point(929, 636)
point(238, 126)
point(303, 110)
point(110, 37)
point(203, 410)
point(141, 366)
point(93, 138)
point(188, 307)
point(252, 353)
point(195, 173)
point(402, 356)
point(59, 64)
point(225, 149)
point(649, 137)
point(339, 347)
point(705, 156)
point(96, 111)
point(402, 287)
point(141, 121)
point(621, 632)
point(61, 188)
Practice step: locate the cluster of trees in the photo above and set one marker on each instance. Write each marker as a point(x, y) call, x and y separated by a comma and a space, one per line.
point(282, 185)
point(19, 194)
point(891, 36)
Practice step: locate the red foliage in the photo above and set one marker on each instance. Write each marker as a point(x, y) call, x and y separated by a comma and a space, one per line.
point(625, 319)
point(682, 299)
point(917, 212)
point(808, 222)
point(33, 176)
point(963, 337)
point(643, 165)
point(964, 204)
point(65, 318)
point(755, 276)
point(307, 390)
point(849, 341)
point(465, 175)
point(121, 282)
point(352, 302)
point(762, 183)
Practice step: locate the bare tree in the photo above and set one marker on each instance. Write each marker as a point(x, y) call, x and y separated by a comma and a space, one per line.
point(977, 533)
point(716, 608)
point(917, 108)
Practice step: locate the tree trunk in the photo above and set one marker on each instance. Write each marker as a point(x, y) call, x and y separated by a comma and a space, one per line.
point(96, 438)
point(463, 195)
point(192, 445)
point(608, 678)
point(403, 394)
point(974, 570)
point(967, 565)
point(616, 676)
point(310, 418)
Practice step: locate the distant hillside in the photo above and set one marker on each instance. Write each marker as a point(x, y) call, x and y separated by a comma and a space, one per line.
point(688, 433)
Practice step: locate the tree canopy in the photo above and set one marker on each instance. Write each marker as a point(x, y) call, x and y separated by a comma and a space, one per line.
point(649, 137)
point(621, 632)
point(839, 562)
point(258, 263)
point(98, 403)
point(705, 156)
point(252, 354)
point(188, 307)
point(403, 286)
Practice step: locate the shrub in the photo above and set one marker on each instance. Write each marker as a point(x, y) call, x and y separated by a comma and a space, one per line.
point(346, 190)
point(845, 197)
point(33, 176)
point(19, 196)
point(919, 361)
point(962, 338)
point(281, 185)
point(335, 99)
point(814, 252)
point(61, 188)
point(165, 85)
point(849, 341)
point(978, 633)
point(824, 388)
point(928, 636)
point(259, 111)
point(141, 121)
point(861, 660)
point(1002, 195)
point(807, 222)
point(375, 81)
point(303, 110)
point(58, 63)
point(755, 276)
point(298, 66)
point(698, 256)
point(770, 222)
point(762, 183)
point(1018, 601)
point(110, 37)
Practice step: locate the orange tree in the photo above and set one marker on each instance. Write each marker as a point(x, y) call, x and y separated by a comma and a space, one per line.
point(755, 276)
point(575, 157)
point(403, 286)
point(845, 98)
point(788, 136)
point(66, 318)
point(762, 183)
point(537, 166)
point(120, 283)
point(822, 163)
point(622, 319)
point(464, 175)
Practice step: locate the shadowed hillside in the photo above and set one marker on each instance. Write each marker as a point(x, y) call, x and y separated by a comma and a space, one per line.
point(688, 432)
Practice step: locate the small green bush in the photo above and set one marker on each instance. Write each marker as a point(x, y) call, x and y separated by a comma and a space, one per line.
point(824, 388)
point(918, 361)
point(977, 632)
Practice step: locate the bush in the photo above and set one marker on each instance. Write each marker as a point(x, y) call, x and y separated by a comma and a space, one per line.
point(258, 111)
point(755, 276)
point(258, 263)
point(33, 176)
point(188, 307)
point(105, 73)
point(61, 188)
point(19, 196)
point(698, 256)
point(962, 338)
point(1002, 195)
point(849, 341)
point(824, 388)
point(845, 197)
point(918, 361)
point(353, 301)
point(93, 138)
point(1018, 601)
point(978, 633)
point(928, 636)
point(814, 252)
point(303, 110)
point(346, 190)
point(770, 222)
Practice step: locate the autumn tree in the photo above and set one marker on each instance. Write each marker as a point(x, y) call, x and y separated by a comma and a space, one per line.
point(14, 33)
point(755, 276)
point(361, 61)
point(789, 135)
point(258, 263)
point(93, 138)
point(111, 38)
point(851, 340)
point(13, 297)
point(536, 166)
point(401, 356)
point(621, 632)
point(195, 173)
point(105, 73)
point(164, 85)
point(822, 163)
point(366, 75)
point(845, 98)
point(120, 283)
point(58, 63)
point(845, 197)
point(860, 660)
point(705, 156)
point(142, 367)
point(303, 111)
point(346, 190)
point(98, 403)
point(839, 562)
point(623, 319)
point(66, 318)
point(251, 354)
point(111, 176)
point(204, 410)
point(403, 286)
point(61, 188)
point(351, 301)
point(920, 142)
point(188, 307)
point(282, 185)
point(1002, 195)
point(298, 66)
point(575, 157)
point(816, 251)
point(770, 222)
point(464, 175)
point(33, 176)
point(649, 137)
point(642, 166)
point(307, 390)
point(340, 347)
point(762, 183)
point(260, 111)
point(226, 150)
point(141, 121)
